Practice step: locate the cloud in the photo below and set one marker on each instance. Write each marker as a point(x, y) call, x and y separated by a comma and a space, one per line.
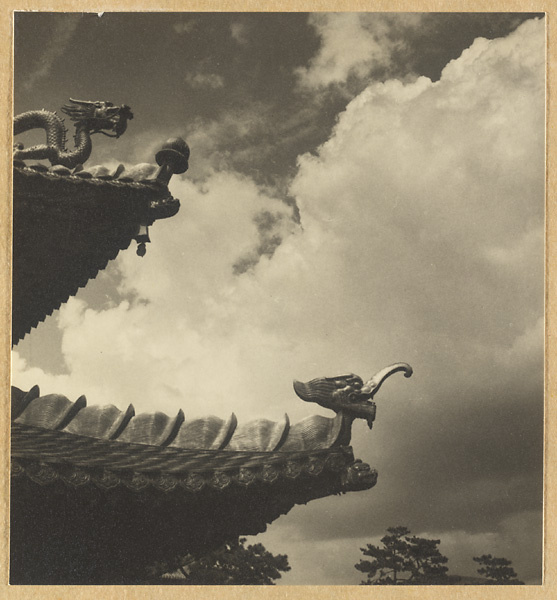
point(185, 26)
point(239, 32)
point(205, 80)
point(269, 226)
point(249, 139)
point(422, 241)
point(352, 44)
point(225, 219)
point(63, 32)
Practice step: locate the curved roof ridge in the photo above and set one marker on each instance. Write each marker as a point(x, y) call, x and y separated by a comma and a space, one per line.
point(109, 423)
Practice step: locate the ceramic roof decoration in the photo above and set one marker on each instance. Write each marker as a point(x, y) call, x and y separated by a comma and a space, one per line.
point(70, 220)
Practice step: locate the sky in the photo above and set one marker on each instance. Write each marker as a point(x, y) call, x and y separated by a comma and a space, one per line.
point(364, 189)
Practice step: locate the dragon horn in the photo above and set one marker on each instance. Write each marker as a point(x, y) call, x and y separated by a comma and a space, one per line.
point(85, 102)
point(372, 386)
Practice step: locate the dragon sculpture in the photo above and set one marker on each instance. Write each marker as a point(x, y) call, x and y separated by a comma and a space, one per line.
point(348, 394)
point(89, 118)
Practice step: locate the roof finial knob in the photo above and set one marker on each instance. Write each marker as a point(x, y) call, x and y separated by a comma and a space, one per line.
point(172, 159)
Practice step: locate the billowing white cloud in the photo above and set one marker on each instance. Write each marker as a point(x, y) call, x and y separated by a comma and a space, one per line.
point(183, 333)
point(352, 44)
point(421, 240)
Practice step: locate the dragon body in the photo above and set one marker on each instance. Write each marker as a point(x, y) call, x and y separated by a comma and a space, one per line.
point(89, 118)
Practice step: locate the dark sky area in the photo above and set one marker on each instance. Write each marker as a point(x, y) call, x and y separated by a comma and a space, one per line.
point(364, 188)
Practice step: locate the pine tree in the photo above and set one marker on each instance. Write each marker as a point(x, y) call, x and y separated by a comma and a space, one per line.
point(234, 563)
point(498, 571)
point(403, 560)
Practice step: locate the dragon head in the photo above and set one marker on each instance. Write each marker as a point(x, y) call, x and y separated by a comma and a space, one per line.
point(99, 117)
point(348, 393)
point(358, 476)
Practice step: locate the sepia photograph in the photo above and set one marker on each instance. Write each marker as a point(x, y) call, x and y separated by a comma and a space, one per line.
point(278, 298)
